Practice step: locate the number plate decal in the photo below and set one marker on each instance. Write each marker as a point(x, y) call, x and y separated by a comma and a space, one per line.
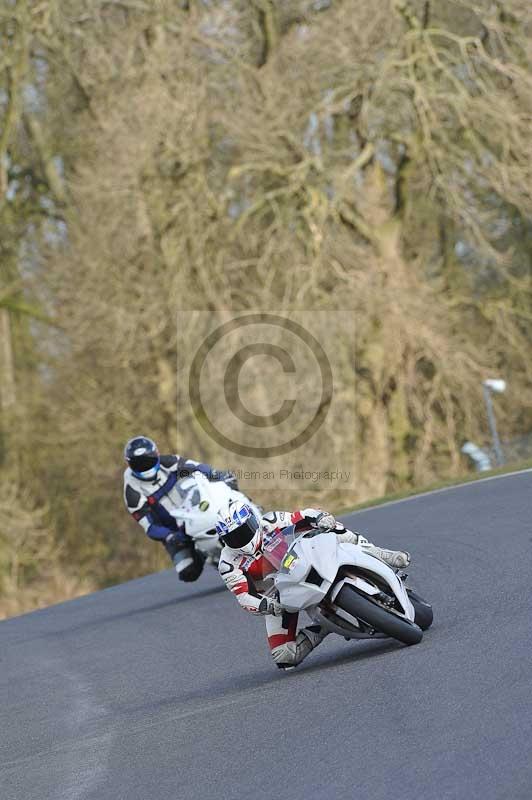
point(289, 561)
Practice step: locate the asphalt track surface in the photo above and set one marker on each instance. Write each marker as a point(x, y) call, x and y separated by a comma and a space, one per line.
point(155, 690)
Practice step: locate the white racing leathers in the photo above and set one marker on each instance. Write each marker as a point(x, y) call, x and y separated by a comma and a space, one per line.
point(248, 578)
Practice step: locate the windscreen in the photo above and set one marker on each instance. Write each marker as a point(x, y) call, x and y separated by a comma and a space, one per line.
point(276, 545)
point(188, 490)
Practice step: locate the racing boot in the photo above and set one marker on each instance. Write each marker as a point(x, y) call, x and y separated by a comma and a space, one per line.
point(188, 563)
point(289, 655)
point(396, 559)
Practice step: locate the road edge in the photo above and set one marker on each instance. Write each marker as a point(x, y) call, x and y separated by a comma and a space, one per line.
point(376, 504)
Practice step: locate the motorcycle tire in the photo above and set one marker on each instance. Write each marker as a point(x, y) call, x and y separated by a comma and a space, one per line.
point(424, 615)
point(377, 617)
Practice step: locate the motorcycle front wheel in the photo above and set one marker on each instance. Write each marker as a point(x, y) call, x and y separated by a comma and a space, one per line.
point(377, 617)
point(424, 615)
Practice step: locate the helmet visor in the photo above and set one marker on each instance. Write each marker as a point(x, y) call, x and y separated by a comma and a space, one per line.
point(242, 535)
point(143, 463)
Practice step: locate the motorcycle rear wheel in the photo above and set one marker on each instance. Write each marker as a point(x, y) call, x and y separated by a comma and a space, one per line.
point(377, 617)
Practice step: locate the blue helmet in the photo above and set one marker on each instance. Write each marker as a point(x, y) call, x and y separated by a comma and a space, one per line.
point(142, 455)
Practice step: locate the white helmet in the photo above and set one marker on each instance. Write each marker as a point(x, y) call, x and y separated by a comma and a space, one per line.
point(239, 529)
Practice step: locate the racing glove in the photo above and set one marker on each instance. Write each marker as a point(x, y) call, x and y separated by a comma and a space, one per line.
point(270, 606)
point(325, 521)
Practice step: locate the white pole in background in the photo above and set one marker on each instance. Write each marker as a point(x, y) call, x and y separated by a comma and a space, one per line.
point(499, 386)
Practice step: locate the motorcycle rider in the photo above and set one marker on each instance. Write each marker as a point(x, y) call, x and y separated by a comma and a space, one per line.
point(243, 565)
point(151, 491)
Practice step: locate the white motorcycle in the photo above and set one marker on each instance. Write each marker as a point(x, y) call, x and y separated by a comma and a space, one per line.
point(344, 588)
point(201, 501)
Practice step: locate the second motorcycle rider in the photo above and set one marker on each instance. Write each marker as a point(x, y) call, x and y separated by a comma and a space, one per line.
point(151, 492)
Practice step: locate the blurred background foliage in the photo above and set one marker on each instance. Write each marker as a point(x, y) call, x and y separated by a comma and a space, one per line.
point(240, 154)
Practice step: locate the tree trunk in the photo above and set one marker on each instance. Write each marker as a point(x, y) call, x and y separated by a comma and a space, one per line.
point(7, 367)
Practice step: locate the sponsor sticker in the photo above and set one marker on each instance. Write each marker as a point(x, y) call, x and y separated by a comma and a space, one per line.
point(289, 561)
point(272, 541)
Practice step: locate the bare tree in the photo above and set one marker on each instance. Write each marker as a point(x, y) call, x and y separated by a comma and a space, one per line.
point(372, 160)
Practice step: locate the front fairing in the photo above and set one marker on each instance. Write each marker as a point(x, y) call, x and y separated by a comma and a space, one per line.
point(201, 501)
point(308, 570)
point(311, 566)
